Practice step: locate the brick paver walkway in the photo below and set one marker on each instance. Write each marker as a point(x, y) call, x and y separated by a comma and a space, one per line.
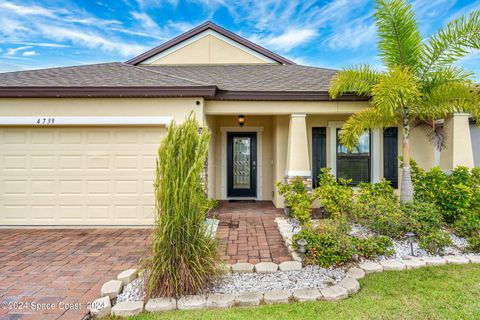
point(248, 233)
point(62, 267)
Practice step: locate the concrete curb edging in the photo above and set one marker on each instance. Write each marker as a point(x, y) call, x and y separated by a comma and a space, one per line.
point(348, 286)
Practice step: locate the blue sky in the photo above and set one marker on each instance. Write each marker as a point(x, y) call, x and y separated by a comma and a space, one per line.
point(333, 33)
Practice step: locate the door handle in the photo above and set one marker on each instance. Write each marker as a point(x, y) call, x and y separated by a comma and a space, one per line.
point(254, 165)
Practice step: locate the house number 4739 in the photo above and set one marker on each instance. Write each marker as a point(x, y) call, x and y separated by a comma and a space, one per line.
point(45, 120)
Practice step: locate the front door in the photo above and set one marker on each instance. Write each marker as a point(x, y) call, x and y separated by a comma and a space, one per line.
point(242, 164)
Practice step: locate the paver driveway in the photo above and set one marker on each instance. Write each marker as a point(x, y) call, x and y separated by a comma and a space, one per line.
point(248, 232)
point(62, 267)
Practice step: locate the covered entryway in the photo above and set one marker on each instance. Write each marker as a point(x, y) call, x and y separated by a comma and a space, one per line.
point(74, 175)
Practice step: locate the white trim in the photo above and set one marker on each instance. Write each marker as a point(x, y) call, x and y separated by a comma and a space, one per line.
point(259, 131)
point(300, 173)
point(298, 115)
point(375, 155)
point(202, 35)
point(70, 121)
point(333, 125)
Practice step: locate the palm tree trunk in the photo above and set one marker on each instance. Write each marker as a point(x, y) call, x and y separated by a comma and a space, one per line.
point(406, 187)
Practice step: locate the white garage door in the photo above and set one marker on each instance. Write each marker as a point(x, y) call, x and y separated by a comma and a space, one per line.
point(77, 175)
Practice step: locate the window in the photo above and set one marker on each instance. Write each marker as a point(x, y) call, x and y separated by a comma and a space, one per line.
point(355, 165)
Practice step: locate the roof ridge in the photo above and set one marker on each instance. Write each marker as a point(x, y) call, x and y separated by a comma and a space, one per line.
point(168, 75)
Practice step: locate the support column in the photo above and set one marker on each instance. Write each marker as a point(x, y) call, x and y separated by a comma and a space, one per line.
point(458, 150)
point(298, 159)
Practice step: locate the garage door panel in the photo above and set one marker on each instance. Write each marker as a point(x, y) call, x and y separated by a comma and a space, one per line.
point(78, 176)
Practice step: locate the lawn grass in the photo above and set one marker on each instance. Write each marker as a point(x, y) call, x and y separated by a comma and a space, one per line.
point(447, 292)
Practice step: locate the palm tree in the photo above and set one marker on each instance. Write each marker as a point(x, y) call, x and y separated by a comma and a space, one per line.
point(419, 83)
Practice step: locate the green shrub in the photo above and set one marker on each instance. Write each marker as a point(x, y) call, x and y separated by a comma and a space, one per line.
point(467, 224)
point(336, 198)
point(421, 217)
point(373, 247)
point(434, 241)
point(184, 259)
point(330, 244)
point(474, 244)
point(378, 208)
point(298, 199)
point(327, 244)
point(456, 195)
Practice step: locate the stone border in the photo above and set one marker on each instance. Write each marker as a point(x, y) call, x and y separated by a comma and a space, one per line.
point(349, 285)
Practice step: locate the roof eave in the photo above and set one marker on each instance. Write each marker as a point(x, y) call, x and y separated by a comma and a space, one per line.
point(107, 92)
point(201, 28)
point(285, 96)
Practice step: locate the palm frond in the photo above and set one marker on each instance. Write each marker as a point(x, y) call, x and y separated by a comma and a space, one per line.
point(454, 41)
point(444, 75)
point(400, 42)
point(448, 98)
point(366, 119)
point(358, 79)
point(433, 131)
point(397, 88)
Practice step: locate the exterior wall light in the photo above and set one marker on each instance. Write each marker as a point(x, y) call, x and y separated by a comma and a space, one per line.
point(302, 243)
point(241, 120)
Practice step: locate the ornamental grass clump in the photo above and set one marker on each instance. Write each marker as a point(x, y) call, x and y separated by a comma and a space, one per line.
point(184, 258)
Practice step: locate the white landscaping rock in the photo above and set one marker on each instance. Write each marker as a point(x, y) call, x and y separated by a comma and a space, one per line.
point(161, 304)
point(356, 273)
point(456, 259)
point(248, 299)
point(100, 308)
point(414, 263)
point(127, 276)
point(111, 288)
point(273, 297)
point(306, 295)
point(290, 266)
point(220, 300)
point(351, 284)
point(473, 258)
point(191, 302)
point(127, 308)
point(370, 267)
point(391, 265)
point(243, 267)
point(266, 267)
point(434, 261)
point(334, 293)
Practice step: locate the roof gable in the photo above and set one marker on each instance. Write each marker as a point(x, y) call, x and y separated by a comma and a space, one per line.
point(208, 44)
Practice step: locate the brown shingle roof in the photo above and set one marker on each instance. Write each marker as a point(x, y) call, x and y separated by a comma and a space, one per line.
point(266, 77)
point(94, 75)
point(226, 77)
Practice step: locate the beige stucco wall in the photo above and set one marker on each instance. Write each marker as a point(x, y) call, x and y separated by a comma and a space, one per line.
point(208, 50)
point(458, 150)
point(177, 108)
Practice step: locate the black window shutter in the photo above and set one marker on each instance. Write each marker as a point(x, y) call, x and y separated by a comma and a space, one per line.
point(390, 155)
point(319, 152)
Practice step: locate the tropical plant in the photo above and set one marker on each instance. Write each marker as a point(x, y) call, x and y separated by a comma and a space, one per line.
point(420, 84)
point(298, 199)
point(185, 258)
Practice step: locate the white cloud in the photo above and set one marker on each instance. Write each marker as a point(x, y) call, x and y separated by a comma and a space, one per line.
point(14, 51)
point(29, 53)
point(146, 22)
point(92, 40)
point(288, 40)
point(27, 10)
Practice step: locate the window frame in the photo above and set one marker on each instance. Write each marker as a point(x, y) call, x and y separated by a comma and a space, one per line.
point(337, 156)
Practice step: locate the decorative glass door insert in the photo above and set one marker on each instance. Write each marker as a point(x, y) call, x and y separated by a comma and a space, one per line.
point(241, 162)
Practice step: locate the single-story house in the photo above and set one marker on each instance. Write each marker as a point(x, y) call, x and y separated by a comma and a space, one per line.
point(78, 144)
